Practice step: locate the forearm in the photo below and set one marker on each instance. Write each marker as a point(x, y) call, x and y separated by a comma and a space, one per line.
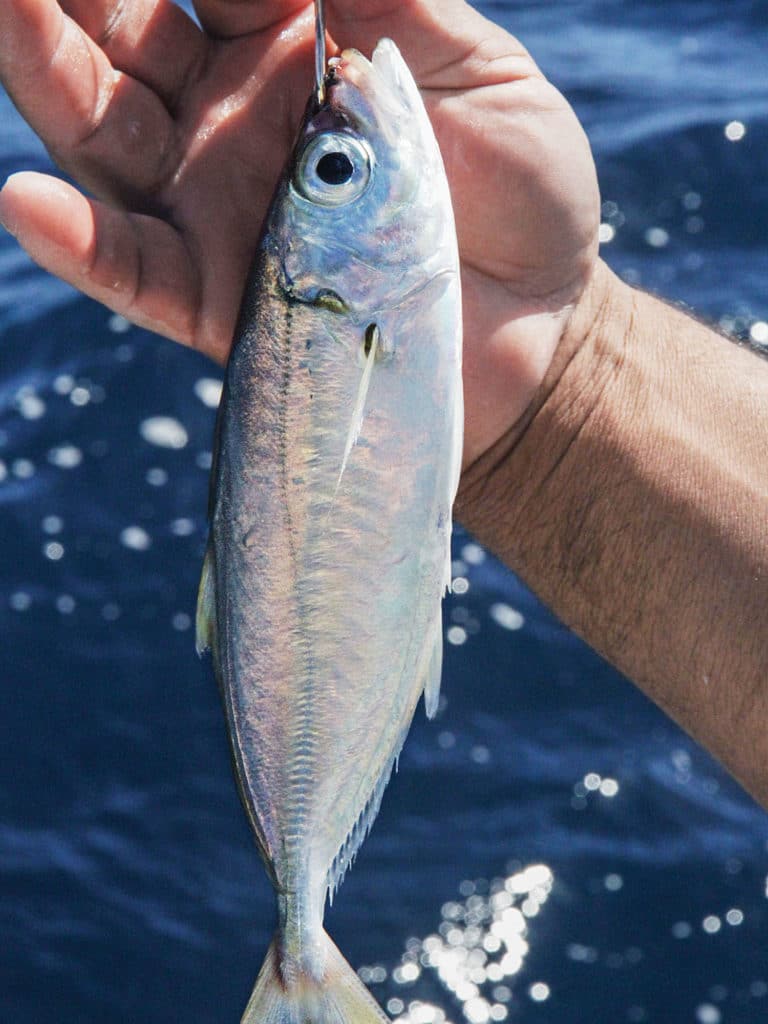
point(635, 503)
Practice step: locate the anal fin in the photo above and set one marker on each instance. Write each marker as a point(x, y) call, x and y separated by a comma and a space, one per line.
point(434, 669)
point(348, 849)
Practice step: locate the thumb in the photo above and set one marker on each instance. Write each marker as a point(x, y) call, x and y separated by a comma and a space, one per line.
point(438, 38)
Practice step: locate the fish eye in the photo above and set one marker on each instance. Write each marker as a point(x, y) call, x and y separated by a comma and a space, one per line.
point(334, 169)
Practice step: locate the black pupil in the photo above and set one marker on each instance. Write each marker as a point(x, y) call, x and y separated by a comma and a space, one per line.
point(335, 168)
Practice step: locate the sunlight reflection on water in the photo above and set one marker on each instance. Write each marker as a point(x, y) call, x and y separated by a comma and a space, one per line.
point(479, 948)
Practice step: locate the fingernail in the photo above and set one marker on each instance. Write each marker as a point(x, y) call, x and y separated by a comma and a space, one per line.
point(10, 177)
point(6, 220)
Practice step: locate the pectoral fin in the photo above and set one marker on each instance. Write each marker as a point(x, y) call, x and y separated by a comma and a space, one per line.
point(356, 421)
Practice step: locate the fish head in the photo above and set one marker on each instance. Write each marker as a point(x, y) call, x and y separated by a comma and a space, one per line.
point(359, 220)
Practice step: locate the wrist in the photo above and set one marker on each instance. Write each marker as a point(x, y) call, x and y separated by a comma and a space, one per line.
point(497, 489)
point(633, 500)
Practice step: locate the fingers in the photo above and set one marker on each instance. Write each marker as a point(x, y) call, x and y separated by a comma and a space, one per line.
point(106, 128)
point(446, 43)
point(433, 34)
point(229, 18)
point(153, 41)
point(136, 265)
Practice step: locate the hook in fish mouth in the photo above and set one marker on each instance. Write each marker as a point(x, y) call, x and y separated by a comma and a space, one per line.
point(381, 69)
point(329, 78)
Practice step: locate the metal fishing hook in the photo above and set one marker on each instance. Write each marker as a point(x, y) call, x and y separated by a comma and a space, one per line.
point(320, 50)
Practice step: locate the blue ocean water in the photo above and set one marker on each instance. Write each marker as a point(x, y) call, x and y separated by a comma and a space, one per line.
point(553, 849)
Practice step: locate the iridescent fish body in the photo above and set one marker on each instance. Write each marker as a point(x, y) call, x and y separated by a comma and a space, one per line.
point(338, 456)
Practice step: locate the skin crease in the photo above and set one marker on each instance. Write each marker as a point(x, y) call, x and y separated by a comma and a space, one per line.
point(182, 154)
point(614, 449)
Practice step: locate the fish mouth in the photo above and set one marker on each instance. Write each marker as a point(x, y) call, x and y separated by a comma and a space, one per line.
point(384, 85)
point(384, 71)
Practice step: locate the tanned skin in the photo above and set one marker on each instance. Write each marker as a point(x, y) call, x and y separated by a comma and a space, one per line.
point(616, 451)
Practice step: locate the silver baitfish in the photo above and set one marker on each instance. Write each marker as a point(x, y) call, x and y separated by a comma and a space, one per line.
point(338, 455)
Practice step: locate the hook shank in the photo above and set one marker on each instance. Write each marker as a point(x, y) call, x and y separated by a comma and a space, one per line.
point(320, 50)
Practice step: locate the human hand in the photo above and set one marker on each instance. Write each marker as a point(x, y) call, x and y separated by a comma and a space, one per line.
point(180, 134)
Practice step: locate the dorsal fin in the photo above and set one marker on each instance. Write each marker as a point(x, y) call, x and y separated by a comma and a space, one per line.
point(205, 621)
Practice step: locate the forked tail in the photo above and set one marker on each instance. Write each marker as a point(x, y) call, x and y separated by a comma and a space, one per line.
point(339, 998)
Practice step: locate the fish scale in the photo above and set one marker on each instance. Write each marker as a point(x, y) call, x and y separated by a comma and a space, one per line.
point(337, 461)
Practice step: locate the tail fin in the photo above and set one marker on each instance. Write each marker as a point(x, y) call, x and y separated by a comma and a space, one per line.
point(339, 998)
